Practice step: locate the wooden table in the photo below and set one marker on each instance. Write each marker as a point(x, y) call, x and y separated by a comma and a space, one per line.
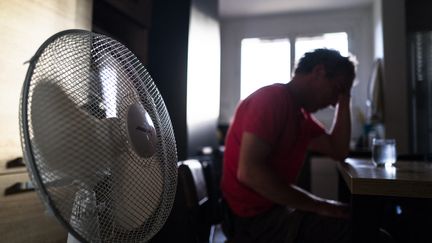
point(375, 191)
point(404, 179)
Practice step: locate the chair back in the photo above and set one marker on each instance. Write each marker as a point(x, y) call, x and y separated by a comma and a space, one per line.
point(184, 223)
point(191, 176)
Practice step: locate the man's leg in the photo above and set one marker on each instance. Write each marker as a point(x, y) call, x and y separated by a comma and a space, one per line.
point(316, 228)
point(279, 224)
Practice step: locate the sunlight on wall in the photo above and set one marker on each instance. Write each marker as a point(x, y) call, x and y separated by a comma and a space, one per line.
point(203, 73)
point(203, 80)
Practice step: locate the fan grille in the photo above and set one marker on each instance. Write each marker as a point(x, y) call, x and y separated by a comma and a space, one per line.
point(74, 134)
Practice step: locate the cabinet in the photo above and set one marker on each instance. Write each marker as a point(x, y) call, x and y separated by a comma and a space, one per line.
point(23, 217)
point(419, 36)
point(126, 21)
point(24, 26)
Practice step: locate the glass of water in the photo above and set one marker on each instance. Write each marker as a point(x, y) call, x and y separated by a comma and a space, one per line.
point(383, 152)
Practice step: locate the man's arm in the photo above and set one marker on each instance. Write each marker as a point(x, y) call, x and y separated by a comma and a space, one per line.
point(254, 172)
point(336, 144)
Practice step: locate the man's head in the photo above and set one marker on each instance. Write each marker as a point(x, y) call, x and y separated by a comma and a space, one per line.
point(326, 75)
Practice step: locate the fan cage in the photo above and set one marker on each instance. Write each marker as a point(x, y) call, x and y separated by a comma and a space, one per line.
point(85, 197)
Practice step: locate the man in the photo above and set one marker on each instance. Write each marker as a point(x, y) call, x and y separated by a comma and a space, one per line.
point(266, 145)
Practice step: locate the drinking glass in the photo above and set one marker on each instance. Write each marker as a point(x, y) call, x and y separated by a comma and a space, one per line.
point(383, 152)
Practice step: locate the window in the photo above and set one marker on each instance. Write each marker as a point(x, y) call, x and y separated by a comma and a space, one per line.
point(337, 41)
point(268, 61)
point(264, 62)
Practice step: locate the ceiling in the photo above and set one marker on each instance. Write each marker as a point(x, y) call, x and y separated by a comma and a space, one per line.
point(242, 8)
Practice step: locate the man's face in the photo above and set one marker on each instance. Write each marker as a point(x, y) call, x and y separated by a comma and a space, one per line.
point(338, 86)
point(326, 91)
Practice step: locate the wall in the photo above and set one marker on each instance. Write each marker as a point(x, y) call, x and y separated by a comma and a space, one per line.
point(203, 75)
point(419, 27)
point(184, 61)
point(395, 65)
point(168, 40)
point(378, 29)
point(356, 22)
point(418, 15)
point(24, 26)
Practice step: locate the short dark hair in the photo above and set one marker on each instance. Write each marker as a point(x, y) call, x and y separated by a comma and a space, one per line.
point(334, 63)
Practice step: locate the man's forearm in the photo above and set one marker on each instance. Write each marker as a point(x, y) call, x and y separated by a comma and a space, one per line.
point(341, 132)
point(267, 183)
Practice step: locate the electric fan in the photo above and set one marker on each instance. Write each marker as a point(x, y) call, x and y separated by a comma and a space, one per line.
point(97, 139)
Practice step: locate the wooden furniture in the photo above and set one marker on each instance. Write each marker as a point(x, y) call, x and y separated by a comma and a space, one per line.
point(23, 217)
point(404, 179)
point(24, 26)
point(397, 199)
point(127, 21)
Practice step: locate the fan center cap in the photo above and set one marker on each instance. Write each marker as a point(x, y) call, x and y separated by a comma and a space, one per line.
point(141, 131)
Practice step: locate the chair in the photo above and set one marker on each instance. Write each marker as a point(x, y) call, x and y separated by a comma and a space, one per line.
point(191, 176)
point(212, 166)
point(219, 214)
point(186, 222)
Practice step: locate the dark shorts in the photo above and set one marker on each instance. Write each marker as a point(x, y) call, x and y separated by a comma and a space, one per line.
point(282, 224)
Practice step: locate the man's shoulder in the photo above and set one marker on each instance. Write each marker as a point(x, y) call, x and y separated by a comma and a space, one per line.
point(276, 88)
point(274, 92)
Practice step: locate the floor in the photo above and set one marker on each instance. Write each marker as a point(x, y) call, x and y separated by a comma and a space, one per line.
point(217, 236)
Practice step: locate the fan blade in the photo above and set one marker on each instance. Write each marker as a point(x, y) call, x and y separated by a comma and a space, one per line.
point(70, 142)
point(138, 190)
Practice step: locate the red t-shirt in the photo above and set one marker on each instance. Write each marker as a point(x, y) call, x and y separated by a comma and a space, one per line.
point(271, 114)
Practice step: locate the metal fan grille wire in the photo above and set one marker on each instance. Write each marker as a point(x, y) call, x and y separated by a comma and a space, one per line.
point(74, 108)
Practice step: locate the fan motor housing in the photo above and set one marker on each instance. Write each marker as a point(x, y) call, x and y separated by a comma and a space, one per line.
point(141, 131)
